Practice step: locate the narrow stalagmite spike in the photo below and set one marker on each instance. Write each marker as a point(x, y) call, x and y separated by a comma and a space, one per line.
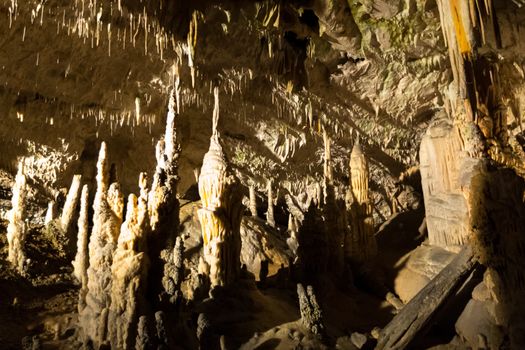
point(17, 227)
point(70, 206)
point(80, 264)
point(269, 214)
point(253, 201)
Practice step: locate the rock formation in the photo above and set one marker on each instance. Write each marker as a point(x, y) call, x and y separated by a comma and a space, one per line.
point(311, 313)
point(269, 213)
point(70, 206)
point(443, 168)
point(17, 228)
point(107, 219)
point(163, 204)
point(253, 201)
point(221, 211)
point(51, 212)
point(360, 244)
point(80, 264)
point(129, 275)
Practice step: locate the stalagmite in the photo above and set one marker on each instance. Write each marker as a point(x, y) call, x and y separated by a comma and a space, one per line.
point(80, 264)
point(70, 206)
point(269, 214)
point(253, 201)
point(163, 205)
point(174, 268)
point(129, 275)
point(51, 212)
point(17, 227)
point(311, 314)
point(107, 219)
point(360, 243)
point(221, 211)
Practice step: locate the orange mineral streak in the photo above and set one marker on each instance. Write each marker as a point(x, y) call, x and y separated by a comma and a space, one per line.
point(461, 35)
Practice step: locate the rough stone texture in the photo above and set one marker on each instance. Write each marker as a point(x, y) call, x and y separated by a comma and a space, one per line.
point(129, 275)
point(446, 171)
point(311, 313)
point(81, 262)
point(17, 228)
point(107, 219)
point(261, 244)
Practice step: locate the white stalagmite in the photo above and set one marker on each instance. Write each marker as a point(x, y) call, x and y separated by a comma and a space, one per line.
point(107, 219)
point(360, 244)
point(70, 206)
point(80, 264)
point(269, 214)
point(221, 211)
point(51, 212)
point(17, 227)
point(253, 201)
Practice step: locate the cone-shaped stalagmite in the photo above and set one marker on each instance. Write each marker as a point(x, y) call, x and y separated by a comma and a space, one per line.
point(360, 244)
point(70, 206)
point(17, 227)
point(221, 211)
point(80, 264)
point(129, 274)
point(107, 219)
point(163, 205)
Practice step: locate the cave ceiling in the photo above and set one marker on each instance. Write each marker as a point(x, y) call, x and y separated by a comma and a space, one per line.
point(75, 73)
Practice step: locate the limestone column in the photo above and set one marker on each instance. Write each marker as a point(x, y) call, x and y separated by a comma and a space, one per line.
point(360, 244)
point(221, 211)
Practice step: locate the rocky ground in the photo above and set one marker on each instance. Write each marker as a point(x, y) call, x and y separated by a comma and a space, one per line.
point(259, 312)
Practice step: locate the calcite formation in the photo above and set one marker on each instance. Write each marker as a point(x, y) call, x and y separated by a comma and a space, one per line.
point(270, 219)
point(129, 275)
point(253, 201)
point(360, 243)
point(107, 219)
point(221, 211)
point(80, 264)
point(311, 313)
point(70, 206)
point(443, 173)
point(51, 212)
point(163, 204)
point(17, 228)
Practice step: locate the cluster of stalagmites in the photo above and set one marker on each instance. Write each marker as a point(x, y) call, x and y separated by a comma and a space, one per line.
point(124, 256)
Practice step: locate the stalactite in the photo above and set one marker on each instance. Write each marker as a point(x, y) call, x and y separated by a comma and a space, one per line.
point(269, 214)
point(107, 219)
point(17, 227)
point(360, 243)
point(221, 211)
point(70, 206)
point(80, 264)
